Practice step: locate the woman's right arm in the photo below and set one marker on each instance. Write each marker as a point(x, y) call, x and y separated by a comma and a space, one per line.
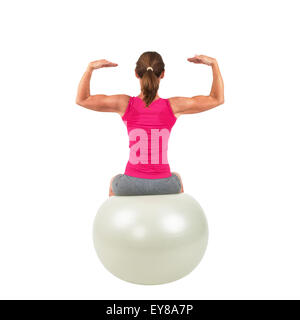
point(100, 102)
point(196, 104)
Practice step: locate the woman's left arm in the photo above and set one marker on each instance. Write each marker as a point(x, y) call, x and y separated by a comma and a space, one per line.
point(99, 102)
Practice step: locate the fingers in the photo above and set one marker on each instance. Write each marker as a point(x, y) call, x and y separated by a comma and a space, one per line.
point(102, 63)
point(201, 59)
point(106, 63)
point(195, 59)
point(110, 64)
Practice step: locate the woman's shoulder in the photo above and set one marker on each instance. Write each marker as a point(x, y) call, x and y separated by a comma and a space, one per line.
point(124, 103)
point(172, 102)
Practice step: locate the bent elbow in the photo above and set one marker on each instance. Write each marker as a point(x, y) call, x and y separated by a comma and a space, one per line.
point(220, 101)
point(216, 101)
point(79, 102)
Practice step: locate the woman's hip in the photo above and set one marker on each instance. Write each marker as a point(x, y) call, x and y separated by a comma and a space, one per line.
point(124, 185)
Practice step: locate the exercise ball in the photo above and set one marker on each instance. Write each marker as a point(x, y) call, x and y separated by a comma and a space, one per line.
point(150, 239)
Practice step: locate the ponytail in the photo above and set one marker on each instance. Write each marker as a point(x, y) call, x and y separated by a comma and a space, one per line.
point(150, 85)
point(149, 68)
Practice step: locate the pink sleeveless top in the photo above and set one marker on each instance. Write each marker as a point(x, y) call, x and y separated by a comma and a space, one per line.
point(148, 130)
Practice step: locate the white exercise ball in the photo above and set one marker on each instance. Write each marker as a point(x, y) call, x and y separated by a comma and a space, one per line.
point(151, 239)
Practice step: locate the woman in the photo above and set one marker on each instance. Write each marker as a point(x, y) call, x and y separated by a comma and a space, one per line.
point(149, 120)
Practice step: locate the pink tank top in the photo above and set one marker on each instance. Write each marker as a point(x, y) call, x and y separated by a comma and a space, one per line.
point(148, 130)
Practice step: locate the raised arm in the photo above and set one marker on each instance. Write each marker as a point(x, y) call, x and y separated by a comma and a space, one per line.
point(99, 102)
point(196, 104)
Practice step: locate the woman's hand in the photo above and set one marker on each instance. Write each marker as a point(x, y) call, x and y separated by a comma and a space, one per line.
point(101, 64)
point(202, 59)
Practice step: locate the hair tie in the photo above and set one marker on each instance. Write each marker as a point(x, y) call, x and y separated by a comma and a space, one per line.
point(149, 68)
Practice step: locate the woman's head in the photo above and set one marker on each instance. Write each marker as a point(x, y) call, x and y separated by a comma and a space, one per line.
point(149, 79)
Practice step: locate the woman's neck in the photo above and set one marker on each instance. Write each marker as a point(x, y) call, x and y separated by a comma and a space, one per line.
point(141, 97)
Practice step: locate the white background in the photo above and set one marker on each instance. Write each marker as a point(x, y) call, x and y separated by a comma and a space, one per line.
point(239, 160)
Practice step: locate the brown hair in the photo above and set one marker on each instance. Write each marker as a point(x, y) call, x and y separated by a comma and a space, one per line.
point(149, 78)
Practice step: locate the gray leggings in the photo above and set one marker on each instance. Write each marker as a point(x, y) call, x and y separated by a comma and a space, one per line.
point(123, 185)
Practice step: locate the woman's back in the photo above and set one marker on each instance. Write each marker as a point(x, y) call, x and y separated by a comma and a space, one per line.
point(148, 129)
point(149, 121)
